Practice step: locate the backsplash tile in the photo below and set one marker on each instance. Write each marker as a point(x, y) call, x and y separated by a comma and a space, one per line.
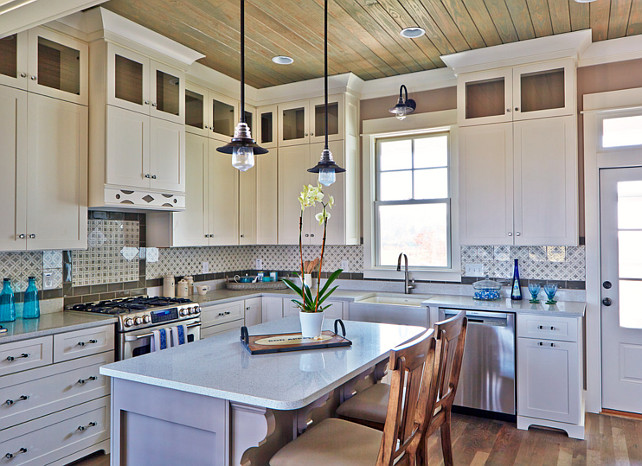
point(562, 263)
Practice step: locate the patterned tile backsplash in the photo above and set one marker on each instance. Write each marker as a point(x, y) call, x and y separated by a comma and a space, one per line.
point(116, 241)
point(562, 263)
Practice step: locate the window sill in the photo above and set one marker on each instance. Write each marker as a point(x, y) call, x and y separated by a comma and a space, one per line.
point(382, 273)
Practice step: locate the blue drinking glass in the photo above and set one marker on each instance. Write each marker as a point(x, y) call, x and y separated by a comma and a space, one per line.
point(534, 289)
point(550, 290)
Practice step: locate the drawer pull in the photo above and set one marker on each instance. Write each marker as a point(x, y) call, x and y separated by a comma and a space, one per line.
point(12, 455)
point(84, 428)
point(541, 327)
point(83, 343)
point(540, 343)
point(552, 345)
point(552, 328)
point(12, 402)
point(221, 314)
point(227, 313)
point(88, 379)
point(13, 358)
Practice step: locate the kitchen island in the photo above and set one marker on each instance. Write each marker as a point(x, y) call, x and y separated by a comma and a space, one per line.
point(220, 405)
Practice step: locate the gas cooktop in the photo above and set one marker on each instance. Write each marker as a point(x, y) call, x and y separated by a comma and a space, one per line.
point(127, 305)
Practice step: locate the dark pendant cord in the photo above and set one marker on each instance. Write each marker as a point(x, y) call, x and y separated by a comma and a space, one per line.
point(242, 61)
point(325, 73)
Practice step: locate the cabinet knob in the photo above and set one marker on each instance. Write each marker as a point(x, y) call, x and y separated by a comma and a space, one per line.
point(242, 236)
point(33, 78)
point(22, 236)
point(607, 301)
point(23, 75)
point(306, 134)
point(607, 285)
point(154, 104)
point(32, 236)
point(518, 234)
point(517, 109)
point(510, 233)
point(312, 235)
point(147, 102)
point(508, 110)
point(307, 235)
point(147, 175)
point(153, 177)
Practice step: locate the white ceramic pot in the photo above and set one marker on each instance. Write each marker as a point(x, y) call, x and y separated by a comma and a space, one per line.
point(311, 323)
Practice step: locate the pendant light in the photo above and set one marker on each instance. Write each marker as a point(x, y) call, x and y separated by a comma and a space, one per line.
point(242, 147)
point(326, 168)
point(405, 106)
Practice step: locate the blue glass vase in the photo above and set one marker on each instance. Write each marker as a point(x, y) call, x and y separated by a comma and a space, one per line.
point(7, 302)
point(31, 308)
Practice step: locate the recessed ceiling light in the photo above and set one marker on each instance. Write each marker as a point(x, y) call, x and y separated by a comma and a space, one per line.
point(412, 33)
point(282, 60)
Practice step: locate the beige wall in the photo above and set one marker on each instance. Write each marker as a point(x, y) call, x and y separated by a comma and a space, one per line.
point(427, 101)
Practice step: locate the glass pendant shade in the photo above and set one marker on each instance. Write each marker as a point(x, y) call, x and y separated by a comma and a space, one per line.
point(243, 158)
point(327, 176)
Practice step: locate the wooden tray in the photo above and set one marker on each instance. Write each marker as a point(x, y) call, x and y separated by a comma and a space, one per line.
point(285, 342)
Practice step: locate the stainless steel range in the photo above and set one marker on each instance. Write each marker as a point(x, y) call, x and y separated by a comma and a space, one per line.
point(138, 317)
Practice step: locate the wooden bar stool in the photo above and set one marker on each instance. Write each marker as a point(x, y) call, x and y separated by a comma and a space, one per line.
point(366, 407)
point(413, 391)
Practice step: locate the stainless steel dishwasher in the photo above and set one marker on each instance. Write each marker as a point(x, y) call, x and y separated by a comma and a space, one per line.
point(487, 379)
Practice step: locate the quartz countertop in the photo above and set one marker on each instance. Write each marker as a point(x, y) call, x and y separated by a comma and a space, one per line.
point(561, 308)
point(221, 367)
point(49, 324)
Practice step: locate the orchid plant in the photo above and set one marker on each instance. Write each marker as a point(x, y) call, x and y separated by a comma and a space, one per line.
point(310, 197)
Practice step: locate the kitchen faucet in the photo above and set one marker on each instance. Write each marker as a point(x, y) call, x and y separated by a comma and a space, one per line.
point(408, 283)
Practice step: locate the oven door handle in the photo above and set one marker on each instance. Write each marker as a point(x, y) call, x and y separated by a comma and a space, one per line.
point(147, 335)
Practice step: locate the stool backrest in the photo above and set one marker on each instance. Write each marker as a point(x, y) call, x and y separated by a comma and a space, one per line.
point(451, 338)
point(413, 390)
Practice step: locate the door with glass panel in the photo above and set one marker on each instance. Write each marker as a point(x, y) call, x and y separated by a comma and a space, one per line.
point(13, 60)
point(167, 89)
point(621, 256)
point(58, 66)
point(127, 79)
point(224, 117)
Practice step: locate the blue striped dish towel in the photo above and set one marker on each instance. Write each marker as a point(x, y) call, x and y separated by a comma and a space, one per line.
point(179, 335)
point(160, 339)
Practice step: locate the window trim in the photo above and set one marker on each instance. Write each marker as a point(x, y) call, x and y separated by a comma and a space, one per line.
point(418, 124)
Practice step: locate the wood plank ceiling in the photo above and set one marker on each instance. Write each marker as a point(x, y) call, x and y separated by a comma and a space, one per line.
point(364, 34)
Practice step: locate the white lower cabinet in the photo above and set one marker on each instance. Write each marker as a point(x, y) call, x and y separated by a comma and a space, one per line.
point(253, 310)
point(220, 318)
point(271, 308)
point(549, 374)
point(56, 403)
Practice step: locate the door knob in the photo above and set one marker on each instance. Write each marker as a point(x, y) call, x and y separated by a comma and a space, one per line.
point(607, 285)
point(607, 301)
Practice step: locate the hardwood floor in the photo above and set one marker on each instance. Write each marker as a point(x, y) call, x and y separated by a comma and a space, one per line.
point(610, 440)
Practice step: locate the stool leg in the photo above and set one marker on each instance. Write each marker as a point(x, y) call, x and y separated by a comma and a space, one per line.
point(446, 442)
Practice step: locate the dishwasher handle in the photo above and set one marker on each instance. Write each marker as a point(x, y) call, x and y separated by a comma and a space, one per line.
point(481, 320)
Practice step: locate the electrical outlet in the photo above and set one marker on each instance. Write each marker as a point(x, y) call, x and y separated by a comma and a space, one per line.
point(258, 264)
point(345, 265)
point(206, 267)
point(474, 270)
point(47, 280)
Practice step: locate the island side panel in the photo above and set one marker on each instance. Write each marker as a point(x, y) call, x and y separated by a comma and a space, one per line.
point(145, 416)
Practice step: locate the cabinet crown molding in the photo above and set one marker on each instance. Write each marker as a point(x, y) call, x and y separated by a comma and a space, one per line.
point(102, 23)
point(567, 45)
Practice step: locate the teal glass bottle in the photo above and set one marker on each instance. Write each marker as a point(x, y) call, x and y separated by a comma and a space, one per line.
point(7, 302)
point(31, 308)
point(516, 289)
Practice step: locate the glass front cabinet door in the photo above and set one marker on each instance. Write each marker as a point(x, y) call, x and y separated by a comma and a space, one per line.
point(224, 113)
point(167, 93)
point(335, 119)
point(196, 113)
point(543, 90)
point(266, 128)
point(294, 123)
point(13, 60)
point(127, 83)
point(485, 97)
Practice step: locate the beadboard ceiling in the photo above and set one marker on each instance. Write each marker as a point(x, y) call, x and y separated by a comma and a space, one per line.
point(364, 34)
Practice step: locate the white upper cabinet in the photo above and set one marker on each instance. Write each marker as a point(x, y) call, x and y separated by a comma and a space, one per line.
point(137, 149)
point(223, 198)
point(303, 121)
point(519, 183)
point(546, 182)
point(223, 116)
point(140, 84)
point(536, 90)
point(45, 62)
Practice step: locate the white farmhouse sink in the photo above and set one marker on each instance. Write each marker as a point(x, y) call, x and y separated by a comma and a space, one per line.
point(391, 308)
point(402, 300)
